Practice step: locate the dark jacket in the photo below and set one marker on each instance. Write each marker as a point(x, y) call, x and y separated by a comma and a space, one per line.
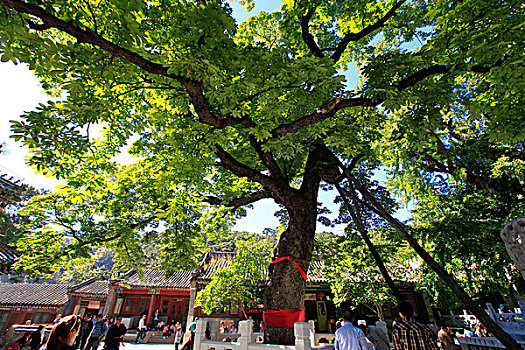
point(36, 340)
point(114, 336)
point(85, 329)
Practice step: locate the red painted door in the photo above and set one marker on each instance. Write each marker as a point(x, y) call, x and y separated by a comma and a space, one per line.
point(174, 308)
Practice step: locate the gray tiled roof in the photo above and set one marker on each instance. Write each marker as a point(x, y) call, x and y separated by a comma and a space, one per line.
point(315, 272)
point(33, 294)
point(93, 288)
point(159, 279)
point(213, 262)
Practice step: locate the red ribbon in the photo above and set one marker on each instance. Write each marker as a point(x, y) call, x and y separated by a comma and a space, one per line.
point(283, 318)
point(303, 274)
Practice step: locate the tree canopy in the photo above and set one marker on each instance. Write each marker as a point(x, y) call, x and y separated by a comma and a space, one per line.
point(220, 114)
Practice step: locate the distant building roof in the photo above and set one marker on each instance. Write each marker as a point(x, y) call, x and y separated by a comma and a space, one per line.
point(33, 294)
point(159, 279)
point(211, 263)
point(91, 287)
point(7, 257)
point(315, 272)
point(216, 261)
point(7, 188)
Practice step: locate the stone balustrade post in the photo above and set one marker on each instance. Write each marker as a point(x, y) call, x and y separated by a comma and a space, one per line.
point(214, 328)
point(200, 334)
point(246, 331)
point(302, 336)
point(492, 312)
point(311, 326)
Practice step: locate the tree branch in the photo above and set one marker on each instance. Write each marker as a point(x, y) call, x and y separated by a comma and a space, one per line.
point(328, 110)
point(308, 38)
point(228, 162)
point(351, 37)
point(239, 202)
point(355, 213)
point(267, 159)
point(322, 113)
point(420, 75)
point(194, 88)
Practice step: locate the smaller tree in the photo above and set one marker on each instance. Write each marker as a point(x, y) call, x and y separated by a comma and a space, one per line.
point(353, 273)
point(240, 282)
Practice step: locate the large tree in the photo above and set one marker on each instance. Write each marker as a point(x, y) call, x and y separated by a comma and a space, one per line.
point(228, 114)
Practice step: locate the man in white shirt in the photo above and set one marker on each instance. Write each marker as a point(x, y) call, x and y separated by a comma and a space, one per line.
point(349, 337)
point(141, 330)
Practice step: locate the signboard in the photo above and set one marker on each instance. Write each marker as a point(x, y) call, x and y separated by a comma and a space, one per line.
point(309, 297)
point(93, 304)
point(154, 291)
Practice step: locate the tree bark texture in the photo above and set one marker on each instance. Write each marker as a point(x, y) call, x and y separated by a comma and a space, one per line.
point(285, 287)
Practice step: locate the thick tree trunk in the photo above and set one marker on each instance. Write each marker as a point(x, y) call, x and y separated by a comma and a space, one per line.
point(285, 286)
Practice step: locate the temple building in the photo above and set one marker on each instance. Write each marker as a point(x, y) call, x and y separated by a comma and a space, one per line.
point(171, 297)
point(38, 303)
point(146, 292)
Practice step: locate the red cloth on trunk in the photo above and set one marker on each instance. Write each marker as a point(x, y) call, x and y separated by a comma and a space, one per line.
point(303, 274)
point(283, 318)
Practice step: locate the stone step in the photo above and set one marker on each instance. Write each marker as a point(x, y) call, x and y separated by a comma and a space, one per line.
point(150, 337)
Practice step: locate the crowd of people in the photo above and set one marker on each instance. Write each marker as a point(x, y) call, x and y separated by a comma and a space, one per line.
point(408, 333)
point(86, 333)
point(167, 329)
point(76, 333)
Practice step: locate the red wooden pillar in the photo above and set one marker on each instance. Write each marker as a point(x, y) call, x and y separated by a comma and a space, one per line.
point(151, 308)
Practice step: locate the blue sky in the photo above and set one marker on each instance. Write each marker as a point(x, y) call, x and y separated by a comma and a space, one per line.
point(20, 92)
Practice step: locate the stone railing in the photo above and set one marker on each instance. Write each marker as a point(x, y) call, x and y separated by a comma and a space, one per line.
point(16, 331)
point(246, 338)
point(480, 343)
point(319, 338)
point(505, 321)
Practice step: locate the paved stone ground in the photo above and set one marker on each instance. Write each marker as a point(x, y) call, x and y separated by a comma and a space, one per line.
point(133, 346)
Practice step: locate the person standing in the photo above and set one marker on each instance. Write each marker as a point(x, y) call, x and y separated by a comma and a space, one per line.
point(348, 337)
point(98, 332)
point(411, 335)
point(378, 337)
point(36, 338)
point(446, 339)
point(141, 330)
point(178, 338)
point(115, 335)
point(155, 321)
point(85, 330)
